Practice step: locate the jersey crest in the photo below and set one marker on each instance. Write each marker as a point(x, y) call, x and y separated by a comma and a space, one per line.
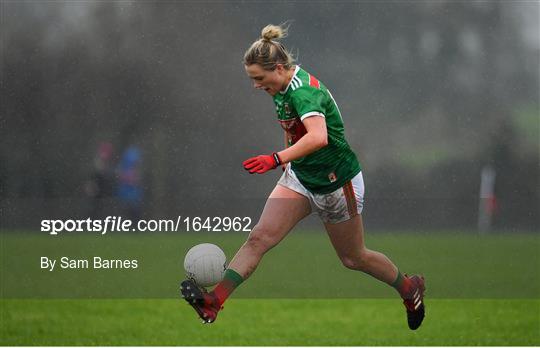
point(287, 108)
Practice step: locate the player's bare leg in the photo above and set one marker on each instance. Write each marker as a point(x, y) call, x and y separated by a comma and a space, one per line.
point(348, 241)
point(283, 210)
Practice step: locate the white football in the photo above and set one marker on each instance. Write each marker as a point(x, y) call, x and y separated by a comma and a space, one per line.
point(205, 264)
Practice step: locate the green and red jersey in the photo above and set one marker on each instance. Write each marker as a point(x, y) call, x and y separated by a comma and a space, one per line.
point(330, 167)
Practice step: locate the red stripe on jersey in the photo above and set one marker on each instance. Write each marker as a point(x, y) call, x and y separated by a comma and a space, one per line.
point(313, 82)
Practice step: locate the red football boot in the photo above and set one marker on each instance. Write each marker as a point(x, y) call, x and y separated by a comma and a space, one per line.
point(414, 301)
point(204, 303)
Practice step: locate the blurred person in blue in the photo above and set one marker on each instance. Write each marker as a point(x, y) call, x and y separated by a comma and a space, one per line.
point(129, 182)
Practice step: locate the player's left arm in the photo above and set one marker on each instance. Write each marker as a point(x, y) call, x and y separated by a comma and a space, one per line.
point(315, 139)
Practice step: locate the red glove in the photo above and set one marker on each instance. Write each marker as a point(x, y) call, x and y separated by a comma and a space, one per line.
point(261, 164)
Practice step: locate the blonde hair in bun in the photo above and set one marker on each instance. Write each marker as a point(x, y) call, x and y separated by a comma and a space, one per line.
point(268, 52)
point(271, 32)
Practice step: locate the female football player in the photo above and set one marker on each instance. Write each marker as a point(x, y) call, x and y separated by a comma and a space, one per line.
point(321, 174)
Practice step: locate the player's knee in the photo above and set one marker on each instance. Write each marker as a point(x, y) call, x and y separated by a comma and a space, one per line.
point(357, 262)
point(350, 263)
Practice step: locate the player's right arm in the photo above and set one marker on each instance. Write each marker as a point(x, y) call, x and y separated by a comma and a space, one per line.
point(308, 103)
point(316, 137)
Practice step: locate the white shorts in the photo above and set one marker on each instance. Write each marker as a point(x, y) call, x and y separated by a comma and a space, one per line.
point(335, 207)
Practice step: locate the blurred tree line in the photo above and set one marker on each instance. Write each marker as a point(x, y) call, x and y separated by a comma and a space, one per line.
point(430, 93)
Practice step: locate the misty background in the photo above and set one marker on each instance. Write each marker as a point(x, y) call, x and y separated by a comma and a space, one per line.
point(430, 92)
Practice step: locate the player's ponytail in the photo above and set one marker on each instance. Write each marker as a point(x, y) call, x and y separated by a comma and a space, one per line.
point(268, 51)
